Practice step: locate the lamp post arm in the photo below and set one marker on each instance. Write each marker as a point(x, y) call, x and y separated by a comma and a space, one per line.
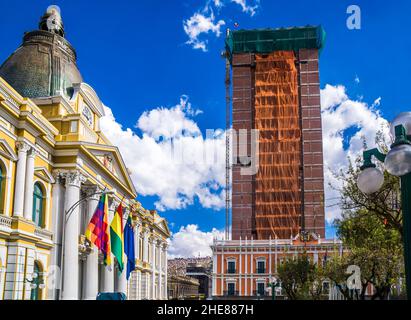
point(367, 156)
point(76, 204)
point(67, 215)
point(400, 136)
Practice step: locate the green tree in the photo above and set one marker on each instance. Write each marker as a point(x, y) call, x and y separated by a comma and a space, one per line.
point(373, 246)
point(371, 230)
point(384, 204)
point(301, 279)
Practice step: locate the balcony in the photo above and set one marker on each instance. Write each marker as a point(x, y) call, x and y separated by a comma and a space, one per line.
point(5, 221)
point(42, 233)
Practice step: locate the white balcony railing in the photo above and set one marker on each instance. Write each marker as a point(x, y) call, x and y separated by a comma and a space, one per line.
point(43, 233)
point(5, 221)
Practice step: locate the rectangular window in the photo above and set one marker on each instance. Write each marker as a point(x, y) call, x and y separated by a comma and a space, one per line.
point(261, 288)
point(73, 126)
point(231, 267)
point(261, 266)
point(230, 289)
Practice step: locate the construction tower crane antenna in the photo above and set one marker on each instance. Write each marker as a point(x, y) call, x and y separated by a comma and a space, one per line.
point(227, 143)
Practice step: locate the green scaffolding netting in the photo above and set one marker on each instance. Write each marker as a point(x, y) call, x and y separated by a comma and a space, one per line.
point(270, 40)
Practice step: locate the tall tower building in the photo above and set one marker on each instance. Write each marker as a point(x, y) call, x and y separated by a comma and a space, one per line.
point(276, 89)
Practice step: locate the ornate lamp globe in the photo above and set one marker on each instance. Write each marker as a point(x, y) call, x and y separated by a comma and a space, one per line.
point(370, 180)
point(403, 118)
point(398, 160)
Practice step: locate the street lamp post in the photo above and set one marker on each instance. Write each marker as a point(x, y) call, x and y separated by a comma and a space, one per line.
point(274, 285)
point(67, 215)
point(398, 163)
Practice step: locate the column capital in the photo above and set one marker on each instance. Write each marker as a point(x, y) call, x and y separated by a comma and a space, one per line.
point(113, 206)
point(153, 240)
point(58, 177)
point(74, 178)
point(32, 152)
point(22, 146)
point(91, 190)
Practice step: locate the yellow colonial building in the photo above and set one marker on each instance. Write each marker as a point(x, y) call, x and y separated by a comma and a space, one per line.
point(54, 164)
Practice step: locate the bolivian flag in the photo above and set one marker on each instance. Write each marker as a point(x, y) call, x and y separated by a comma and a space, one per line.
point(116, 233)
point(97, 230)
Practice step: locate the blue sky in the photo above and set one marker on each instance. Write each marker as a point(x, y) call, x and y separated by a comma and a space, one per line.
point(135, 55)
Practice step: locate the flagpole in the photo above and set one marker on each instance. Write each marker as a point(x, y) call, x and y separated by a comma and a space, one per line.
point(67, 215)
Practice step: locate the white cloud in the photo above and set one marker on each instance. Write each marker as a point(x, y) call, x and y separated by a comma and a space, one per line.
point(218, 3)
point(357, 79)
point(204, 21)
point(171, 160)
point(169, 123)
point(377, 102)
point(250, 9)
point(199, 24)
point(190, 241)
point(340, 113)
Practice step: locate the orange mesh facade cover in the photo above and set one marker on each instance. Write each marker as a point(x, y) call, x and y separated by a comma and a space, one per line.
point(277, 117)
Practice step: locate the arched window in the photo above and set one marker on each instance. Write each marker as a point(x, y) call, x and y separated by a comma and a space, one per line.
point(35, 293)
point(38, 205)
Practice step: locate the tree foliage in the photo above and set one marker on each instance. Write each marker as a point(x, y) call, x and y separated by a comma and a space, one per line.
point(301, 279)
point(374, 247)
point(384, 204)
point(371, 230)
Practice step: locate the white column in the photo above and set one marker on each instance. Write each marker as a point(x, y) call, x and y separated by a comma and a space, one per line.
point(22, 147)
point(122, 281)
point(165, 272)
point(246, 270)
point(137, 241)
point(108, 273)
point(145, 246)
point(270, 251)
point(71, 236)
point(153, 268)
point(252, 267)
point(91, 279)
point(160, 273)
point(28, 193)
point(57, 227)
point(214, 275)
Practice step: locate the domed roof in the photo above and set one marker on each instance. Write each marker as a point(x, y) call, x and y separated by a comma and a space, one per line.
point(45, 64)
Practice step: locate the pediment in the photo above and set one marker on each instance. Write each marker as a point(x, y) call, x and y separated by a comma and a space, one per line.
point(44, 174)
point(7, 151)
point(162, 225)
point(110, 158)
